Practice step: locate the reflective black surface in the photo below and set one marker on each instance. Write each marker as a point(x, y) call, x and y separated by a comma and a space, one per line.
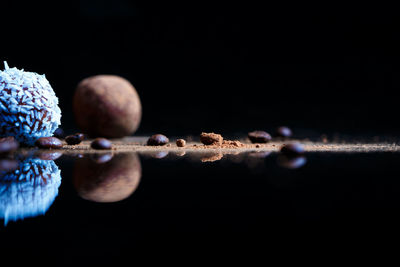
point(127, 205)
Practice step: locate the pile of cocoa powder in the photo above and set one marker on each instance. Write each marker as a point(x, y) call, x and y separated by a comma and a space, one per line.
point(213, 140)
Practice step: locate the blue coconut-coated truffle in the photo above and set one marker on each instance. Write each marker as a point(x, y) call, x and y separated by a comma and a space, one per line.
point(28, 106)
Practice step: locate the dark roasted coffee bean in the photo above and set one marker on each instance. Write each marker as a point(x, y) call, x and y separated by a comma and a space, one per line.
point(74, 139)
point(157, 140)
point(293, 149)
point(283, 131)
point(49, 142)
point(8, 144)
point(101, 143)
point(259, 137)
point(180, 142)
point(59, 133)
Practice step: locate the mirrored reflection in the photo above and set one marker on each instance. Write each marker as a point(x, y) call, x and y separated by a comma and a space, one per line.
point(159, 154)
point(291, 162)
point(255, 161)
point(180, 153)
point(101, 158)
point(211, 157)
point(109, 181)
point(27, 187)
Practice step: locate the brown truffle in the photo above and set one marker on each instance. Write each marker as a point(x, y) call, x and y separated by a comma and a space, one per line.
point(110, 181)
point(107, 105)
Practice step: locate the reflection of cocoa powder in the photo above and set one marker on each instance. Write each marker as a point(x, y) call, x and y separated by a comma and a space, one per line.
point(213, 157)
point(212, 140)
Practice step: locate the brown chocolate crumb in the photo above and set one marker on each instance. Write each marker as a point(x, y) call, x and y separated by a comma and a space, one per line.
point(211, 139)
point(180, 142)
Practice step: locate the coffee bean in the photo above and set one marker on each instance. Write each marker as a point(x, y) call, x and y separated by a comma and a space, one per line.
point(293, 149)
point(8, 144)
point(180, 142)
point(259, 137)
point(49, 142)
point(59, 133)
point(283, 131)
point(101, 143)
point(74, 139)
point(157, 140)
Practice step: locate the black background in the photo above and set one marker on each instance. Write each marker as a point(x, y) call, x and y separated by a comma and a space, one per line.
point(220, 67)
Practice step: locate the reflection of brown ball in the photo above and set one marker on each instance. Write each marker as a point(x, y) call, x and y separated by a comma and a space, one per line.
point(107, 106)
point(111, 181)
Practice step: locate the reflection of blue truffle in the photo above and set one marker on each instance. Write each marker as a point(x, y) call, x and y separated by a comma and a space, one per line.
point(28, 106)
point(29, 190)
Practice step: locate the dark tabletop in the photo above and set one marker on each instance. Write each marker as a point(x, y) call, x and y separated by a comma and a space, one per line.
point(174, 203)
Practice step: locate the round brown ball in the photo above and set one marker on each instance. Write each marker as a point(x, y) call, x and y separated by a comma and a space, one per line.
point(109, 181)
point(107, 105)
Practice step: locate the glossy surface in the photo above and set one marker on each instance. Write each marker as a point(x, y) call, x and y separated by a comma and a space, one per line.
point(111, 205)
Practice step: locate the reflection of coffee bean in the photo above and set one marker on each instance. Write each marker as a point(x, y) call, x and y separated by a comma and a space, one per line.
point(49, 142)
point(110, 181)
point(8, 144)
point(262, 154)
point(49, 155)
point(292, 149)
point(180, 142)
point(74, 139)
point(283, 131)
point(291, 162)
point(8, 165)
point(157, 140)
point(101, 158)
point(159, 154)
point(259, 137)
point(101, 143)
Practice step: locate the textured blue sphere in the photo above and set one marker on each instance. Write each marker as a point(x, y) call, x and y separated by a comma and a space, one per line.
point(28, 106)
